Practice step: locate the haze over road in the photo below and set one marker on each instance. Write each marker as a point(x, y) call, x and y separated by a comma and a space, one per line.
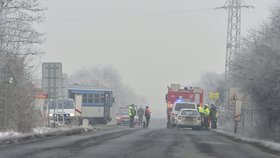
point(136, 143)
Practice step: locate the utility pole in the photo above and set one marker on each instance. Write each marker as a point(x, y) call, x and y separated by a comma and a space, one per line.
point(233, 32)
point(233, 44)
point(3, 112)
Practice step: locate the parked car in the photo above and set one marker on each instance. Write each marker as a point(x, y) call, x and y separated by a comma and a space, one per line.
point(123, 118)
point(188, 118)
point(178, 105)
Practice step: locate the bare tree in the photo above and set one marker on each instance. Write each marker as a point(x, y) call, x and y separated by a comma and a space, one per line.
point(18, 40)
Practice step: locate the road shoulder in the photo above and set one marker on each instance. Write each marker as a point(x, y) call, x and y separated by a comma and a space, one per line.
point(267, 146)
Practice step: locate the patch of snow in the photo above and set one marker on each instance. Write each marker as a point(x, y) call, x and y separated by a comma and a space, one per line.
point(264, 143)
point(9, 134)
point(41, 130)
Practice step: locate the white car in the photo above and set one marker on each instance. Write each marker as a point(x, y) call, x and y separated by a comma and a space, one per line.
point(178, 105)
point(188, 118)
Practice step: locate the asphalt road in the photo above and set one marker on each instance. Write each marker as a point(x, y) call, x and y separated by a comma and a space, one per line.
point(135, 143)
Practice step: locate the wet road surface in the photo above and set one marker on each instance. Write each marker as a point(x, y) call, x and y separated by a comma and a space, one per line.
point(135, 143)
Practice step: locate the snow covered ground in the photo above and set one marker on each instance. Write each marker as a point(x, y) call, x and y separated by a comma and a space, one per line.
point(262, 143)
point(9, 134)
point(40, 132)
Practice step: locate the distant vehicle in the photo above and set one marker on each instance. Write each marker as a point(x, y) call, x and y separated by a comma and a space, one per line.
point(123, 118)
point(94, 104)
point(188, 118)
point(58, 110)
point(179, 97)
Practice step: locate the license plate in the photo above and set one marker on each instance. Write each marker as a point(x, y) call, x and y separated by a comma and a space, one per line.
point(189, 119)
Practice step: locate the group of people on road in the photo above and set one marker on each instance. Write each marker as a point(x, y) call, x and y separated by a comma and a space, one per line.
point(141, 113)
point(209, 115)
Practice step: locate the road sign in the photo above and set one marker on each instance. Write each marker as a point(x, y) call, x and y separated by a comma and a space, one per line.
point(214, 95)
point(41, 96)
point(52, 79)
point(64, 85)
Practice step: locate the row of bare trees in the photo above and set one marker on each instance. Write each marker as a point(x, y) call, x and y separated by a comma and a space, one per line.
point(256, 72)
point(18, 47)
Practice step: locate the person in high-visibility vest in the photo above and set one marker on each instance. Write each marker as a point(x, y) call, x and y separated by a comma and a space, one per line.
point(201, 113)
point(200, 110)
point(131, 114)
point(206, 112)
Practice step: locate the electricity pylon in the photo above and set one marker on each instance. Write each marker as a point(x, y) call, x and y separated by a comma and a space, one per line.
point(233, 32)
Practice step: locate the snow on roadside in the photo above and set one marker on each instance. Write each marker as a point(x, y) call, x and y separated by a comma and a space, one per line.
point(9, 134)
point(263, 143)
point(39, 131)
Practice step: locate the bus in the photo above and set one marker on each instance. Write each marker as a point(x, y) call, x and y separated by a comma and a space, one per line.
point(94, 104)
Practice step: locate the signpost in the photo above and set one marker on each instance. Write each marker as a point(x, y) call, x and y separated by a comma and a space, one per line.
point(237, 111)
point(237, 114)
point(52, 82)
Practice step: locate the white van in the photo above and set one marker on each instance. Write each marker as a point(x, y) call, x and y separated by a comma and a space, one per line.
point(178, 105)
point(57, 111)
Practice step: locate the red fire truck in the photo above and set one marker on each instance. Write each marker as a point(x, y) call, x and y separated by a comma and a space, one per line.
point(176, 92)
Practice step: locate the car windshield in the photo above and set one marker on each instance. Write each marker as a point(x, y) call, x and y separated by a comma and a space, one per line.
point(180, 106)
point(68, 104)
point(188, 112)
point(123, 111)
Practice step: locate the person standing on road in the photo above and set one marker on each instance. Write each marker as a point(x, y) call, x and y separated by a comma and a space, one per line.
point(200, 109)
point(206, 116)
point(213, 116)
point(148, 116)
point(131, 114)
point(201, 113)
point(140, 113)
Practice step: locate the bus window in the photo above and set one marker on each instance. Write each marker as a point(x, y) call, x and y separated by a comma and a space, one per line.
point(102, 98)
point(96, 98)
point(84, 98)
point(90, 98)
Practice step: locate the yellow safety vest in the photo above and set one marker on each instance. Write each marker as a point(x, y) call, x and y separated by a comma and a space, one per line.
point(206, 111)
point(131, 111)
point(200, 110)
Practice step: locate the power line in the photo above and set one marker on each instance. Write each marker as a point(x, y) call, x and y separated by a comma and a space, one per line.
point(139, 15)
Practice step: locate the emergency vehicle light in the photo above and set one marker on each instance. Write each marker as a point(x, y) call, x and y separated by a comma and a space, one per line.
point(178, 101)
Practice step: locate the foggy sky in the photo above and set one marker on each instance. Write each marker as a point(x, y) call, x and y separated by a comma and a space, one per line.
point(151, 42)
